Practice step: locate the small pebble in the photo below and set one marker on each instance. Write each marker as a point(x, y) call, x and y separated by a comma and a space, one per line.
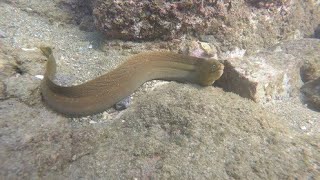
point(92, 122)
point(29, 49)
point(28, 9)
point(39, 76)
point(106, 116)
point(123, 104)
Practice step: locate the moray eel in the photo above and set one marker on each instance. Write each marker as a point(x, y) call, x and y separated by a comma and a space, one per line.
point(97, 95)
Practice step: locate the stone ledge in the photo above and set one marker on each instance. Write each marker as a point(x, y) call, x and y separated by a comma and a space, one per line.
point(270, 75)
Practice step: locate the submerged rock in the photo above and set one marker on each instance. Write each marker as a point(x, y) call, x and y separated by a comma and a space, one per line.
point(123, 104)
point(310, 69)
point(246, 24)
point(176, 131)
point(182, 131)
point(18, 70)
point(311, 93)
point(272, 74)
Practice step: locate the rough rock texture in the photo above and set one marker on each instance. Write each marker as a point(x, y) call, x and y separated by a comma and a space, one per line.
point(186, 132)
point(272, 74)
point(7, 67)
point(176, 131)
point(8, 64)
point(311, 93)
point(25, 88)
point(242, 24)
point(18, 70)
point(310, 69)
point(228, 25)
point(31, 147)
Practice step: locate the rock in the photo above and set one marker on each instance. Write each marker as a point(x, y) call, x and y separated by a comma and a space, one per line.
point(33, 141)
point(30, 62)
point(8, 64)
point(311, 94)
point(264, 77)
point(232, 23)
point(8, 67)
point(176, 131)
point(123, 104)
point(18, 70)
point(181, 131)
point(307, 51)
point(310, 69)
point(24, 87)
point(270, 75)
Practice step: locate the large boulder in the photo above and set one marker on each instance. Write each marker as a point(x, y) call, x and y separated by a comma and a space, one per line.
point(245, 24)
point(274, 73)
point(183, 131)
point(176, 131)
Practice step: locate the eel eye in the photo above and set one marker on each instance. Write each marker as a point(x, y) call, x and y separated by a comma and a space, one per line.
point(213, 67)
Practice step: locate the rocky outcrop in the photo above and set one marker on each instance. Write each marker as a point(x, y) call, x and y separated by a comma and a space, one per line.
point(310, 74)
point(18, 74)
point(311, 93)
point(176, 131)
point(272, 74)
point(310, 69)
point(244, 24)
point(8, 67)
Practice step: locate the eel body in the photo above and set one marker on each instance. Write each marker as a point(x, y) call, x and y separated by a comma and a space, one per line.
point(96, 95)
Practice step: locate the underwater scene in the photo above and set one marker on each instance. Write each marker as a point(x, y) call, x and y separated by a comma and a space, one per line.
point(159, 89)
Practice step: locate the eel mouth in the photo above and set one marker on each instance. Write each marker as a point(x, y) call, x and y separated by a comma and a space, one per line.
point(221, 67)
point(219, 71)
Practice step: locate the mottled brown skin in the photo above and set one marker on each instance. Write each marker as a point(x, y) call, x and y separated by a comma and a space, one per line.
point(96, 95)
